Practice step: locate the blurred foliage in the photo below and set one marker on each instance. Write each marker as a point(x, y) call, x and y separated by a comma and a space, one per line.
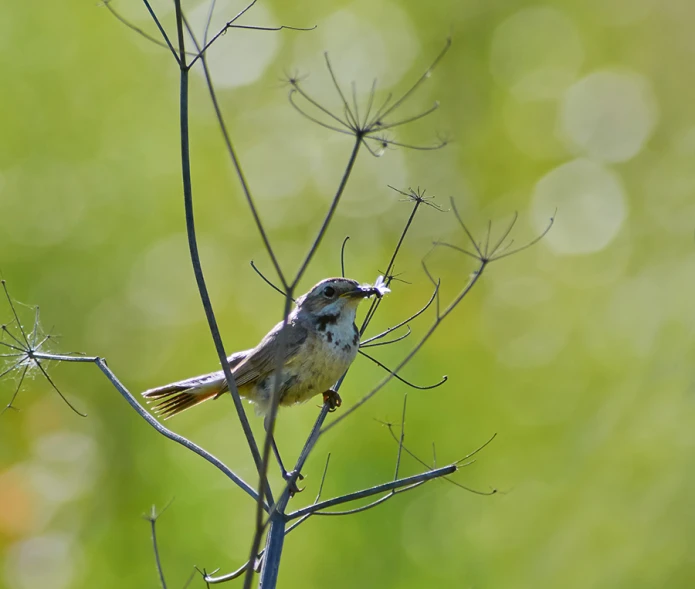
point(578, 353)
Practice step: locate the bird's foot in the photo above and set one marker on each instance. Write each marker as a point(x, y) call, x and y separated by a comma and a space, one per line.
point(292, 480)
point(332, 399)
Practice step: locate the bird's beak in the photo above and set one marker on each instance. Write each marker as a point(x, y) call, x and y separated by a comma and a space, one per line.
point(362, 292)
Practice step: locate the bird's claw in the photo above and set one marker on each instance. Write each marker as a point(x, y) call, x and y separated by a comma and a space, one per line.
point(332, 399)
point(292, 481)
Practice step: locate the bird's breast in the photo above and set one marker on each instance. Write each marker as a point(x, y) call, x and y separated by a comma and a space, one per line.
point(324, 357)
point(338, 345)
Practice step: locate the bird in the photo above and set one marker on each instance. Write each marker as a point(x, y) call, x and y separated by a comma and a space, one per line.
point(321, 341)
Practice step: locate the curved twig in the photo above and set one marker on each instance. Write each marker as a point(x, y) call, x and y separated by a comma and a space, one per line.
point(403, 380)
point(405, 322)
point(101, 364)
point(388, 342)
point(342, 256)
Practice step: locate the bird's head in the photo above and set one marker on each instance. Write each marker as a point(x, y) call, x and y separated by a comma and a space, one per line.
point(337, 297)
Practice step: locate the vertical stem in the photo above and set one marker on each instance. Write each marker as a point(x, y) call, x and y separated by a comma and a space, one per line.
point(158, 562)
point(193, 246)
point(265, 459)
point(273, 549)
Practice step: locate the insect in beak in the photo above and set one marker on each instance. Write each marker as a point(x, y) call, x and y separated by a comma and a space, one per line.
point(379, 289)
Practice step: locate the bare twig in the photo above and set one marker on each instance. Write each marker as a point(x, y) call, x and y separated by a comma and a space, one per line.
point(342, 256)
point(418, 198)
point(101, 364)
point(152, 518)
point(242, 569)
point(138, 30)
point(387, 342)
point(231, 25)
point(403, 380)
point(25, 348)
point(162, 32)
point(397, 484)
point(368, 127)
point(193, 247)
point(393, 488)
point(484, 259)
point(461, 462)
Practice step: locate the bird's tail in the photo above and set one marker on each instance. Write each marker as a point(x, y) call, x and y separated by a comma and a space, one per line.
point(171, 399)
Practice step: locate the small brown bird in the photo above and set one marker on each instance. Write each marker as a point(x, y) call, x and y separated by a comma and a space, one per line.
point(321, 341)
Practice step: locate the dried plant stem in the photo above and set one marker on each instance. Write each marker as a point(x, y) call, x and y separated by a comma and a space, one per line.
point(193, 246)
point(377, 489)
point(132, 401)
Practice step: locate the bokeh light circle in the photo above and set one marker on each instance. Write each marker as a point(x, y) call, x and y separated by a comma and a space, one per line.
point(387, 47)
point(590, 202)
point(609, 115)
point(242, 56)
point(536, 52)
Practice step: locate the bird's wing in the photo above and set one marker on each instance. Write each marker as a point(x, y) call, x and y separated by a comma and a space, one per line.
point(262, 359)
point(237, 357)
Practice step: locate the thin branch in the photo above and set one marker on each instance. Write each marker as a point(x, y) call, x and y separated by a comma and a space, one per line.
point(277, 523)
point(385, 142)
point(267, 281)
point(329, 215)
point(403, 323)
point(296, 88)
point(402, 438)
point(152, 518)
point(414, 350)
point(367, 128)
point(231, 25)
point(16, 318)
point(379, 501)
point(240, 571)
point(506, 254)
point(342, 256)
point(16, 391)
point(101, 364)
point(483, 262)
point(179, 60)
point(15, 366)
point(33, 336)
point(21, 345)
point(387, 274)
point(302, 112)
point(404, 482)
point(56, 389)
point(10, 345)
point(382, 114)
point(352, 117)
point(190, 579)
point(139, 31)
point(434, 461)
point(193, 246)
point(403, 380)
point(238, 170)
point(388, 342)
point(417, 117)
point(208, 21)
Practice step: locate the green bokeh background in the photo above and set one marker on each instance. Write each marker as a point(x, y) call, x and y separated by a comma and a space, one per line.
point(578, 353)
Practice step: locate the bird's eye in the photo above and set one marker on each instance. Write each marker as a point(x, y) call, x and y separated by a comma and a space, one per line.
point(329, 292)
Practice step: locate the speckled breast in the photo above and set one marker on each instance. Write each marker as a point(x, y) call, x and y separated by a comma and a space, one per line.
point(327, 354)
